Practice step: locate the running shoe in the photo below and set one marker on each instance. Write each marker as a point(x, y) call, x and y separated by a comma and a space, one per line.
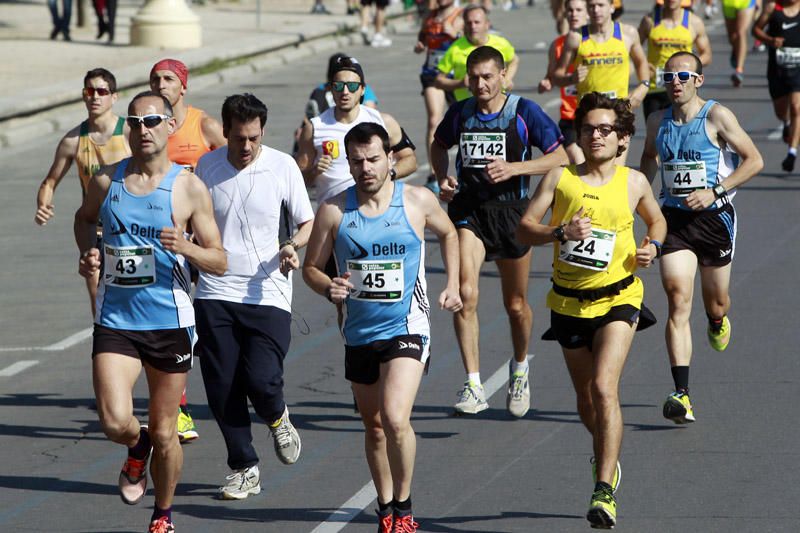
point(602, 512)
point(617, 475)
point(286, 439)
point(241, 484)
point(187, 431)
point(471, 399)
point(788, 163)
point(709, 11)
point(404, 522)
point(385, 520)
point(365, 35)
point(379, 40)
point(518, 400)
point(678, 408)
point(132, 480)
point(737, 78)
point(719, 339)
point(161, 525)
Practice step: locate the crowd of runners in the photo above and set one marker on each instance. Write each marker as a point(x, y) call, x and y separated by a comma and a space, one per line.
point(189, 229)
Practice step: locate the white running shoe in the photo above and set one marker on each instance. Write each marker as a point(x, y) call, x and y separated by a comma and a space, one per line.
point(241, 484)
point(471, 399)
point(518, 400)
point(286, 439)
point(379, 40)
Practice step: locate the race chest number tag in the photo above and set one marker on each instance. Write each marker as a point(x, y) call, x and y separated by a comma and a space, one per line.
point(684, 178)
point(594, 253)
point(787, 57)
point(376, 280)
point(476, 147)
point(129, 266)
point(434, 56)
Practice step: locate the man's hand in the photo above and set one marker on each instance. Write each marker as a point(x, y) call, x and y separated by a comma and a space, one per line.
point(289, 260)
point(419, 47)
point(89, 263)
point(700, 199)
point(339, 289)
point(544, 86)
point(447, 188)
point(44, 213)
point(580, 73)
point(323, 164)
point(777, 42)
point(450, 299)
point(174, 239)
point(645, 254)
point(579, 227)
point(499, 169)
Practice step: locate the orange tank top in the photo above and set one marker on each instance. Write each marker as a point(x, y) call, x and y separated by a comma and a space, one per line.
point(91, 156)
point(569, 93)
point(186, 146)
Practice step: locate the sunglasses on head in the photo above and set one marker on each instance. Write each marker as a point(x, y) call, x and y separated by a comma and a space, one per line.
point(89, 92)
point(604, 129)
point(149, 121)
point(683, 76)
point(339, 86)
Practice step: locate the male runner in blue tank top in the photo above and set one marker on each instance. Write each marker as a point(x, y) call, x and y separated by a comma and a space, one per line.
point(375, 230)
point(144, 312)
point(704, 155)
point(496, 134)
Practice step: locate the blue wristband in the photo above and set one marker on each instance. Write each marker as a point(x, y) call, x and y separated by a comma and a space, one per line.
point(658, 246)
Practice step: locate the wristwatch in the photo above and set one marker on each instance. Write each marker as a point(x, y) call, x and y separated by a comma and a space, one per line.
point(646, 83)
point(288, 242)
point(558, 234)
point(719, 190)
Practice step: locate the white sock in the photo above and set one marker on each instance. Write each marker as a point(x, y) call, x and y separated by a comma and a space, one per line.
point(474, 377)
point(519, 367)
point(792, 151)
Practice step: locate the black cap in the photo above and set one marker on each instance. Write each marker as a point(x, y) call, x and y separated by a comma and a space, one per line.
point(346, 63)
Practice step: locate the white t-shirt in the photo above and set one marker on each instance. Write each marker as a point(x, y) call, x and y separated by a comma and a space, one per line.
point(329, 139)
point(254, 208)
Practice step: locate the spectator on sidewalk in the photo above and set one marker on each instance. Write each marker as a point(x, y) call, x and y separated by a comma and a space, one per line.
point(378, 38)
point(60, 23)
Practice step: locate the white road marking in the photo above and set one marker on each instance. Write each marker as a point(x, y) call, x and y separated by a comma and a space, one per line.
point(59, 346)
point(776, 134)
point(353, 507)
point(16, 368)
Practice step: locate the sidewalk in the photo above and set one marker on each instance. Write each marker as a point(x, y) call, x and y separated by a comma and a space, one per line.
point(41, 75)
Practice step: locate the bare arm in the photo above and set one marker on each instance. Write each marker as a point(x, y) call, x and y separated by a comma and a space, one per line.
point(212, 132)
point(405, 160)
point(500, 170)
point(85, 225)
point(759, 28)
point(530, 229)
point(702, 45)
point(65, 154)
point(647, 208)
point(649, 161)
point(307, 155)
point(640, 64)
point(545, 84)
point(320, 247)
point(645, 26)
point(511, 71)
point(449, 84)
point(731, 132)
point(560, 76)
point(287, 255)
point(440, 164)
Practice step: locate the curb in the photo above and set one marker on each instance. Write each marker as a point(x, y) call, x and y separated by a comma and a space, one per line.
point(27, 126)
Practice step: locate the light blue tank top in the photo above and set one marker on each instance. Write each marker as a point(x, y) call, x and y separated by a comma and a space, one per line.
point(142, 286)
point(386, 260)
point(690, 160)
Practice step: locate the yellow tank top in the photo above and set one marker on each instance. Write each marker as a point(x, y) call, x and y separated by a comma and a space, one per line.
point(663, 42)
point(609, 256)
point(608, 64)
point(91, 156)
point(186, 146)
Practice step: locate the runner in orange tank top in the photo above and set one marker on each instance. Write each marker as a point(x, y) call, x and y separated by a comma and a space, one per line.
point(100, 140)
point(197, 132)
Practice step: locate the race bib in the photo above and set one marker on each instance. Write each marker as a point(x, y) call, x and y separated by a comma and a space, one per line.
point(476, 147)
point(594, 253)
point(129, 266)
point(376, 280)
point(659, 77)
point(787, 57)
point(686, 177)
point(434, 56)
point(571, 90)
point(609, 94)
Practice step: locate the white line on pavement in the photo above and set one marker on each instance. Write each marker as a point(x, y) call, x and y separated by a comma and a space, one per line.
point(59, 346)
point(16, 368)
point(776, 134)
point(353, 507)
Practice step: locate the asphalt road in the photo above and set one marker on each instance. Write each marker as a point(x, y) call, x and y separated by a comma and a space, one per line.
point(735, 469)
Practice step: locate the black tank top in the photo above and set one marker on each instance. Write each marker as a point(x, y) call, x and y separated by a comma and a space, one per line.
point(781, 25)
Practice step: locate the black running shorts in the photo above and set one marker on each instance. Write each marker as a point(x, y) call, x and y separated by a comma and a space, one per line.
point(493, 222)
point(379, 3)
point(167, 350)
point(782, 81)
point(362, 364)
point(572, 332)
point(710, 235)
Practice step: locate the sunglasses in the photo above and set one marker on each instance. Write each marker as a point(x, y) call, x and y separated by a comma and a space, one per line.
point(604, 129)
point(683, 76)
point(89, 92)
point(149, 121)
point(339, 86)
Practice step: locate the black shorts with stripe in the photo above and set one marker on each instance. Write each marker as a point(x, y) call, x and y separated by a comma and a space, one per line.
point(709, 234)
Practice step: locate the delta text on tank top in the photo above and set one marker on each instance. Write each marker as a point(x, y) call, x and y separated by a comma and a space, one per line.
point(491, 135)
point(91, 156)
point(608, 256)
point(690, 161)
point(663, 42)
point(608, 64)
point(781, 25)
point(329, 140)
point(569, 93)
point(436, 39)
point(143, 286)
point(187, 145)
point(385, 258)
